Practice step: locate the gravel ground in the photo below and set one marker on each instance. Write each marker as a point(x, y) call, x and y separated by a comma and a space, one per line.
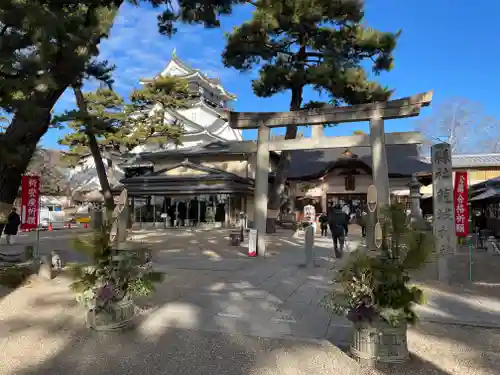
point(41, 333)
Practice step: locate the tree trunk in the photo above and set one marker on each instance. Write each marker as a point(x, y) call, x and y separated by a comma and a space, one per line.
point(109, 202)
point(32, 120)
point(17, 146)
point(275, 197)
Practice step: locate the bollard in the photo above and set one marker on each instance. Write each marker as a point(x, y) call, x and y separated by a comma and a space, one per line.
point(490, 245)
point(309, 246)
point(252, 243)
point(46, 271)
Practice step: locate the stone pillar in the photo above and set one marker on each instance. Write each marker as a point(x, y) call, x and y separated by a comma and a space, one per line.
point(291, 200)
point(153, 206)
point(379, 161)
point(131, 214)
point(309, 246)
point(444, 222)
point(415, 198)
point(122, 223)
point(261, 187)
point(227, 212)
point(97, 219)
point(317, 131)
point(176, 213)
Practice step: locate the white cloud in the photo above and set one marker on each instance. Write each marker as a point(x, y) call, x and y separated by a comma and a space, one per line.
point(138, 50)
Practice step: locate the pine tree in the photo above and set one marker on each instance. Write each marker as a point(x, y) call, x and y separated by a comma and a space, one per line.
point(147, 112)
point(45, 47)
point(104, 125)
point(97, 114)
point(316, 43)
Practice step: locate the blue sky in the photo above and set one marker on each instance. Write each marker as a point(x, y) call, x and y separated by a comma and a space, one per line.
point(449, 46)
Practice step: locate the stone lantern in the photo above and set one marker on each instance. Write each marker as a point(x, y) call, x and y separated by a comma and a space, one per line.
point(415, 195)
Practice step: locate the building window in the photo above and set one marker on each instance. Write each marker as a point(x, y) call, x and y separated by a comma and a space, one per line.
point(350, 183)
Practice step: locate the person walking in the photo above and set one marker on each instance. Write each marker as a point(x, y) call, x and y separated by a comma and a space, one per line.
point(13, 222)
point(323, 222)
point(338, 221)
point(363, 221)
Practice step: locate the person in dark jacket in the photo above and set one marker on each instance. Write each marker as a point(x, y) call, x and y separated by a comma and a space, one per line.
point(323, 222)
point(338, 221)
point(13, 222)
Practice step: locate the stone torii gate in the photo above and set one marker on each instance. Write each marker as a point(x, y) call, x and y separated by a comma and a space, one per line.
point(376, 113)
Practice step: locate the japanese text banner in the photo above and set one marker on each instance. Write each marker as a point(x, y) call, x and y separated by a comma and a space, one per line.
point(460, 202)
point(30, 197)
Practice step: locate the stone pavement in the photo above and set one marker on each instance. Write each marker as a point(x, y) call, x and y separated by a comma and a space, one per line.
point(274, 297)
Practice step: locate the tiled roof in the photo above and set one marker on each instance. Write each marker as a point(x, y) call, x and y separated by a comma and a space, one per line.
point(401, 159)
point(473, 160)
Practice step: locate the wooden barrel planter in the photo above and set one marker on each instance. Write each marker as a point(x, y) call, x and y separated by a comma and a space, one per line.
point(379, 344)
point(119, 315)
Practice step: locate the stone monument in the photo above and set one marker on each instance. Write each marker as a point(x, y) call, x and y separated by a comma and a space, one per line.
point(444, 225)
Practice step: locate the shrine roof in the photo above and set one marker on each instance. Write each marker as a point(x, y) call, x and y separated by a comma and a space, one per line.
point(403, 160)
point(473, 160)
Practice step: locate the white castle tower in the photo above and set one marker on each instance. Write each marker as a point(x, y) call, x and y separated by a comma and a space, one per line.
point(201, 121)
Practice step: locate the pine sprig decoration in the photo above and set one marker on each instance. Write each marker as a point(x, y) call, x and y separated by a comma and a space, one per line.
point(371, 287)
point(113, 275)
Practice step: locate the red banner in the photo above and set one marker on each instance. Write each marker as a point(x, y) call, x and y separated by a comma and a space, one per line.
point(460, 201)
point(30, 202)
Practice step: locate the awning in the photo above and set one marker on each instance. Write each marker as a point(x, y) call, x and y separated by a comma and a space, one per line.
point(488, 194)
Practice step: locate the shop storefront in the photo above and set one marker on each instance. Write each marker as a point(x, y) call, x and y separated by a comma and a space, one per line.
point(200, 196)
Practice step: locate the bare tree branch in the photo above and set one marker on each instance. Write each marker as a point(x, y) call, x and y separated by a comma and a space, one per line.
point(464, 125)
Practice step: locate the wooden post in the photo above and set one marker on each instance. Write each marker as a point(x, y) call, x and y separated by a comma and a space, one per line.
point(261, 187)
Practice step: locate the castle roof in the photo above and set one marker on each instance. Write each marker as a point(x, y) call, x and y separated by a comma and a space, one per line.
point(185, 71)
